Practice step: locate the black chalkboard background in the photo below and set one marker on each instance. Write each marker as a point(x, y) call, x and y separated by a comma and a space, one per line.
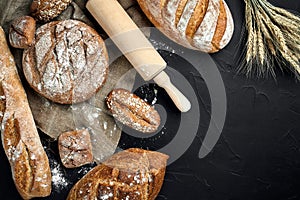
point(258, 153)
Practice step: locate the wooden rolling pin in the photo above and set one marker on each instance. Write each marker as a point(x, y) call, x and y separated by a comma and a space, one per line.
point(135, 46)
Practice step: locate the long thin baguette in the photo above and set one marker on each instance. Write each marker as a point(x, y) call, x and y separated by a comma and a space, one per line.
point(29, 162)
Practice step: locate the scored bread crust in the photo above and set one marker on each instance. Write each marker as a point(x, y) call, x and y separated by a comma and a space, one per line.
point(229, 28)
point(170, 17)
point(220, 28)
point(131, 110)
point(203, 36)
point(205, 25)
point(28, 160)
point(130, 174)
point(196, 18)
point(68, 63)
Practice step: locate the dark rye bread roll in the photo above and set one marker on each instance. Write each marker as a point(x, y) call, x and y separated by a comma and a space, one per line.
point(20, 139)
point(134, 174)
point(21, 32)
point(68, 63)
point(205, 25)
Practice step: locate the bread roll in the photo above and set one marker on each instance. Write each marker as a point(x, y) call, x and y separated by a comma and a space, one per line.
point(75, 148)
point(130, 174)
point(205, 25)
point(132, 111)
point(29, 163)
point(22, 31)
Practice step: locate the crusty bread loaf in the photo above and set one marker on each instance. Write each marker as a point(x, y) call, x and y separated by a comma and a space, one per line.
point(22, 31)
point(68, 63)
point(130, 174)
point(132, 111)
point(205, 25)
point(75, 148)
point(46, 10)
point(29, 162)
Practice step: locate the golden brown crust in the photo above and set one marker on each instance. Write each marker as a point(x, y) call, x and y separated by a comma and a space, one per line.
point(68, 63)
point(196, 18)
point(21, 33)
point(132, 111)
point(13, 143)
point(129, 174)
point(192, 23)
point(163, 4)
point(220, 29)
point(179, 11)
point(29, 163)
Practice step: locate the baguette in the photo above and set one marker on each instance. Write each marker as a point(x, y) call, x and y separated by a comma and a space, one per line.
point(205, 25)
point(28, 160)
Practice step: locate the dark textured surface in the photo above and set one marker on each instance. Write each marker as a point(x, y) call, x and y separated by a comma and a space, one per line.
point(258, 154)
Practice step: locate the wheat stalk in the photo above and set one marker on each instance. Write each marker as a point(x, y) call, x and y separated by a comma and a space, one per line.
point(273, 36)
point(249, 23)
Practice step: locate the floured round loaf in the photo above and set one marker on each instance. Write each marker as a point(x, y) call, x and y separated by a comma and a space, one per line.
point(205, 25)
point(68, 63)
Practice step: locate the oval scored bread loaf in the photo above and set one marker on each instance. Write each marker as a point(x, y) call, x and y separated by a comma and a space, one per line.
point(130, 174)
point(132, 111)
point(205, 25)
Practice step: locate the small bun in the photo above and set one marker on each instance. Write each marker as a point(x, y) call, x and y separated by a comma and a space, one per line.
point(21, 32)
point(75, 148)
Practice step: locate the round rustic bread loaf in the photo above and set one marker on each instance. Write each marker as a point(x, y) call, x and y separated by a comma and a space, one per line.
point(68, 62)
point(205, 25)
